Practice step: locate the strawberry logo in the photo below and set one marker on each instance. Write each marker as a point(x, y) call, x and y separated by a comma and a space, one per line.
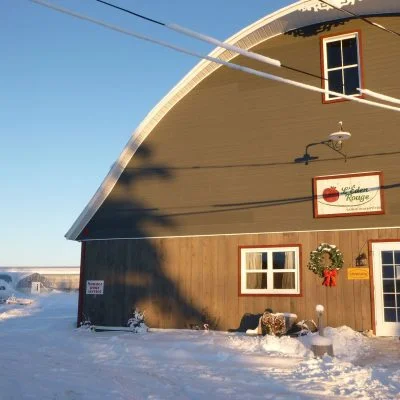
point(330, 194)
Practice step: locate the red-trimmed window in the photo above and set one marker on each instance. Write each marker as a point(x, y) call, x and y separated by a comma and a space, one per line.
point(270, 270)
point(341, 65)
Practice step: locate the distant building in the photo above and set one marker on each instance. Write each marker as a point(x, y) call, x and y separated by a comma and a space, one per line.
point(59, 278)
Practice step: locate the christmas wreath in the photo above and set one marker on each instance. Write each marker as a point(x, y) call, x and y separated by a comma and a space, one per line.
point(325, 262)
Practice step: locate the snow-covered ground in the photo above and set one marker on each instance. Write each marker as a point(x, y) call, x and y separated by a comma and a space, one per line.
point(43, 356)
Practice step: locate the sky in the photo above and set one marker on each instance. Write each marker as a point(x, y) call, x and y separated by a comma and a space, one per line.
point(71, 94)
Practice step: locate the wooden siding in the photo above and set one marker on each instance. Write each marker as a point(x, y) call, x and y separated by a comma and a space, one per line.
point(222, 160)
point(177, 280)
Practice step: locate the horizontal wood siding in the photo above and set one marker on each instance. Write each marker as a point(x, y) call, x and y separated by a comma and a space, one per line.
point(177, 281)
point(222, 160)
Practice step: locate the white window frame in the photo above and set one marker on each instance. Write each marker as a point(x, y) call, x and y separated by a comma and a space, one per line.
point(270, 271)
point(330, 39)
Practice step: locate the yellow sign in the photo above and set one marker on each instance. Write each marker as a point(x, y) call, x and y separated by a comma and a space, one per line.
point(357, 273)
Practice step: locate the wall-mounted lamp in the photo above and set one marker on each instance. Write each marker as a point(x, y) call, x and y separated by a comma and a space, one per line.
point(334, 142)
point(361, 260)
point(337, 138)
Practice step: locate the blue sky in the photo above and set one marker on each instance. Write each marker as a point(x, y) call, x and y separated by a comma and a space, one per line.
point(71, 93)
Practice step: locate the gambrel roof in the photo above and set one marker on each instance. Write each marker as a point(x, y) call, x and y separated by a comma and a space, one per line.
point(300, 14)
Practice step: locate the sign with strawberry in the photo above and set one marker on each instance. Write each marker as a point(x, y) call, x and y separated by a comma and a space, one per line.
point(348, 194)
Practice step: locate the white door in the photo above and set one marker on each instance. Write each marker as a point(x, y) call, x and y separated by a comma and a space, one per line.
point(386, 265)
point(35, 288)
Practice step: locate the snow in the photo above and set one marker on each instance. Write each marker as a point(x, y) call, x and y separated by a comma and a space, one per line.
point(44, 356)
point(6, 290)
point(319, 308)
point(318, 340)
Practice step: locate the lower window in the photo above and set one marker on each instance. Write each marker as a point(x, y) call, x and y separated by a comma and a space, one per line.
point(270, 270)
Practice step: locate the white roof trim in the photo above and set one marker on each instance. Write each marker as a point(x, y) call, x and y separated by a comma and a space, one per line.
point(299, 14)
point(243, 234)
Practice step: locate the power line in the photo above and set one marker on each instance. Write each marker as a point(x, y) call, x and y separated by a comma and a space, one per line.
point(236, 49)
point(131, 12)
point(360, 17)
point(217, 60)
point(209, 39)
point(379, 96)
point(199, 36)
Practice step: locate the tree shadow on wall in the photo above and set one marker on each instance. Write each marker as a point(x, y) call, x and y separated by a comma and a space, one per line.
point(132, 265)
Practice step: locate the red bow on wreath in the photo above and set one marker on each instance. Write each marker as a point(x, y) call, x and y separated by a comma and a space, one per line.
point(329, 277)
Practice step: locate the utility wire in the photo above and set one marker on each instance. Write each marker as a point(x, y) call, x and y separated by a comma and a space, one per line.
point(209, 39)
point(360, 17)
point(379, 96)
point(131, 12)
point(199, 36)
point(236, 49)
point(217, 60)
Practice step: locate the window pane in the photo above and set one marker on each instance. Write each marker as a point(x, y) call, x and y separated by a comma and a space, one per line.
point(256, 260)
point(264, 261)
point(387, 257)
point(398, 287)
point(398, 301)
point(350, 51)
point(278, 260)
point(388, 271)
point(351, 81)
point(388, 286)
point(283, 260)
point(284, 280)
point(397, 257)
point(257, 280)
point(390, 315)
point(389, 300)
point(335, 82)
point(333, 54)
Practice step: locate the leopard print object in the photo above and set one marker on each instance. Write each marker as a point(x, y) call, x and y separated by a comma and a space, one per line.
point(272, 324)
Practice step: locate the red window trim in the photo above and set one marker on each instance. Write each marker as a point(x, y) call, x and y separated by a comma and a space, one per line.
point(240, 294)
point(361, 57)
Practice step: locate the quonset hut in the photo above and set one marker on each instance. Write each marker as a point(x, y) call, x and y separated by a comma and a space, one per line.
point(231, 190)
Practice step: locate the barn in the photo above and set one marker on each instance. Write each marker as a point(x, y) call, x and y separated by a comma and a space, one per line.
point(239, 193)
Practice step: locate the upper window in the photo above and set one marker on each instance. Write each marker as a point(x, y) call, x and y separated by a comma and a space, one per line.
point(270, 270)
point(342, 69)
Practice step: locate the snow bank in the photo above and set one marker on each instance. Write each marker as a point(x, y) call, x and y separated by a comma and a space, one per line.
point(284, 345)
point(318, 340)
point(14, 313)
point(7, 291)
point(347, 344)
